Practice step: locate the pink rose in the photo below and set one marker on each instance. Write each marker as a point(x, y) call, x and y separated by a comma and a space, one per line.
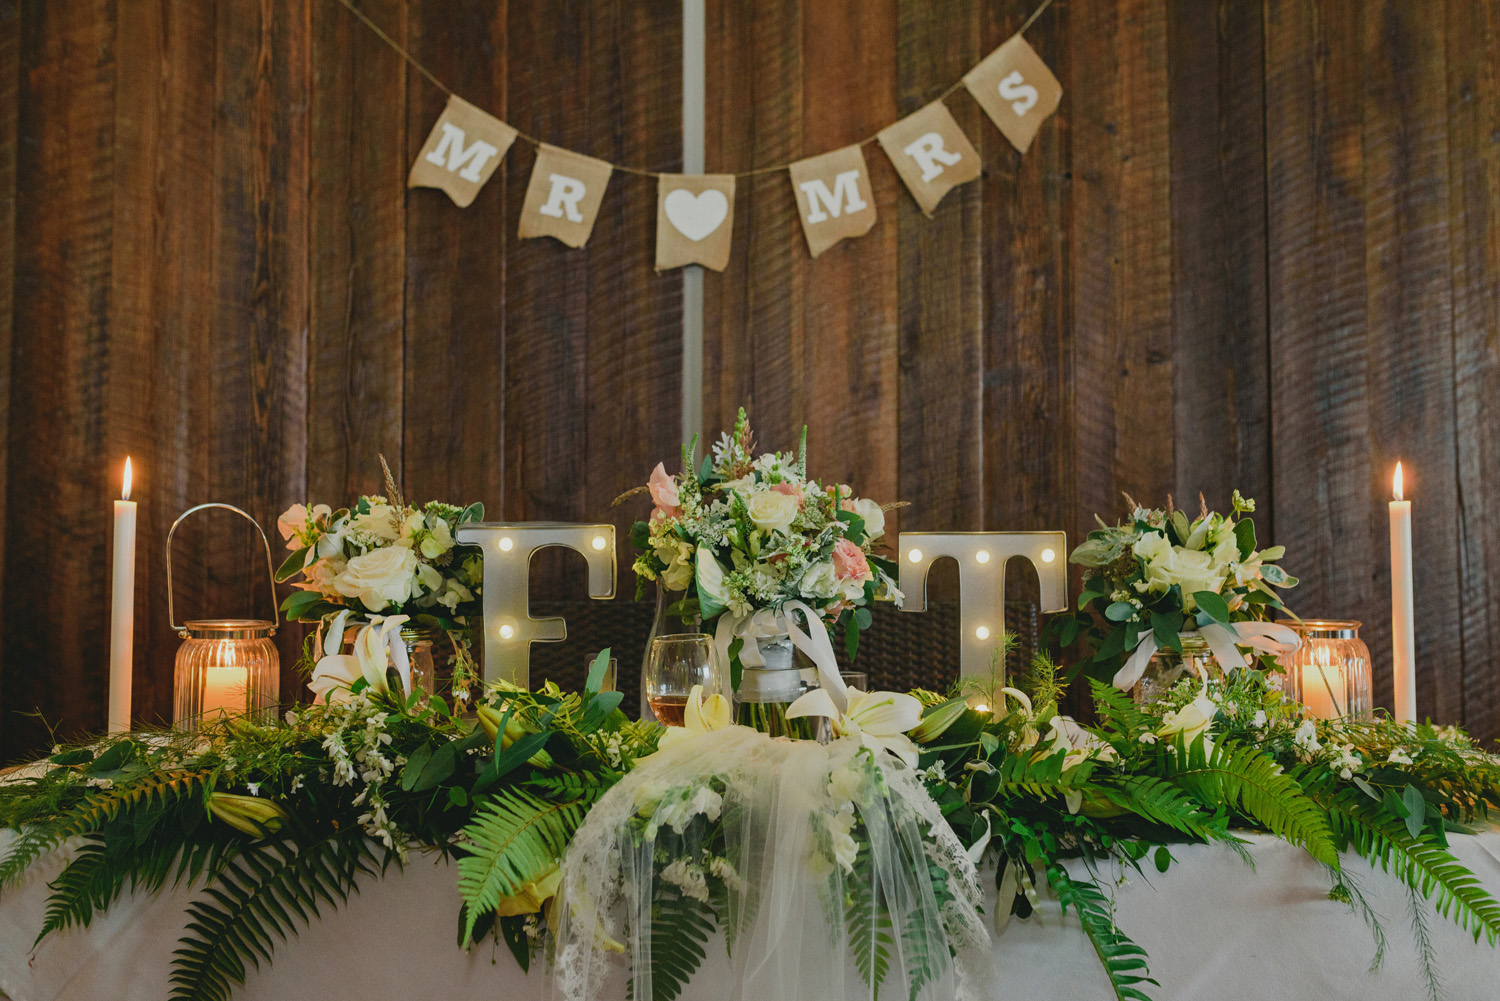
point(791, 490)
point(849, 562)
point(664, 494)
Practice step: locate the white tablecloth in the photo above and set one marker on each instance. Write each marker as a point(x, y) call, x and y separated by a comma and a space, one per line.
point(1214, 928)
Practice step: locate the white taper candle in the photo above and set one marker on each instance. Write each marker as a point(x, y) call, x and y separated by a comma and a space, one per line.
point(122, 611)
point(1403, 633)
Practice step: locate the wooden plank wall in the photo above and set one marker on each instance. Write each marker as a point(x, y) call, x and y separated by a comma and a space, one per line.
point(1257, 247)
point(218, 270)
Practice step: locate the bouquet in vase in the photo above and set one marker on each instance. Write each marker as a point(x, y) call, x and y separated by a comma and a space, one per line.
point(390, 567)
point(1196, 588)
point(767, 559)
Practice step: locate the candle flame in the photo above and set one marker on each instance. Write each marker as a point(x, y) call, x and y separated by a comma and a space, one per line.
point(1396, 483)
point(125, 494)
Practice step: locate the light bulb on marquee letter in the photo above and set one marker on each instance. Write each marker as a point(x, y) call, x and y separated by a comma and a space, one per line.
point(509, 629)
point(981, 558)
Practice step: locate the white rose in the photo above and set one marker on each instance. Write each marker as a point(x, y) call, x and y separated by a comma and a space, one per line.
point(1192, 570)
point(379, 578)
point(873, 516)
point(820, 581)
point(772, 511)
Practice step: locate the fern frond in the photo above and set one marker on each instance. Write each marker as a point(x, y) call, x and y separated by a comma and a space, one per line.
point(1040, 776)
point(97, 873)
point(1252, 781)
point(1117, 710)
point(513, 838)
point(1160, 801)
point(924, 946)
point(90, 815)
point(1421, 863)
point(680, 926)
point(260, 897)
point(1124, 961)
point(869, 924)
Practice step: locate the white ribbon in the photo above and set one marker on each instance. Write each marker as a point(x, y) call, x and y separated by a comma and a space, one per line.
point(1222, 640)
point(769, 622)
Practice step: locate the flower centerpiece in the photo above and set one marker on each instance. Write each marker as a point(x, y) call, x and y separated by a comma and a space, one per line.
point(1197, 590)
point(385, 562)
point(748, 544)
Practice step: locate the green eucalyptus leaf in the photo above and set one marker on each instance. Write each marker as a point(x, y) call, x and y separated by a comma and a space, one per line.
point(1416, 807)
point(1213, 604)
point(113, 757)
point(1120, 611)
point(1165, 628)
point(77, 756)
point(439, 767)
point(415, 762)
point(292, 565)
point(1244, 537)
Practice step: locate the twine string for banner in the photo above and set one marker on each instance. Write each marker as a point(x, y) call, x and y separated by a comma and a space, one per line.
point(755, 172)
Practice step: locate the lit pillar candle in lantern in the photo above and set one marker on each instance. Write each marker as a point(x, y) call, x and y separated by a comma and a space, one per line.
point(122, 610)
point(981, 558)
point(509, 629)
point(1323, 684)
point(225, 690)
point(1403, 635)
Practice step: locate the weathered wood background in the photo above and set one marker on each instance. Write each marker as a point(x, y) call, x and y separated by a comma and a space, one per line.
point(1257, 247)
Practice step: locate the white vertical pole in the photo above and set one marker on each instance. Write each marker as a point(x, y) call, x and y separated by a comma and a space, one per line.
point(694, 89)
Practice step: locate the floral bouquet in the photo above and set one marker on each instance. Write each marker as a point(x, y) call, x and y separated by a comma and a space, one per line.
point(381, 563)
point(1159, 578)
point(749, 542)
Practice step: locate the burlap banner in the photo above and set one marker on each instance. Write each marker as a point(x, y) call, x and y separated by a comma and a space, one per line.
point(833, 197)
point(462, 151)
point(1016, 89)
point(695, 212)
point(563, 197)
point(694, 220)
point(931, 153)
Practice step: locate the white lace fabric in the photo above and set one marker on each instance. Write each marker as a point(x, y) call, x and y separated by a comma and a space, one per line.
point(785, 838)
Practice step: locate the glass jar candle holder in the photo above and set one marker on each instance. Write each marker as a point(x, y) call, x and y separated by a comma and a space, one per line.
point(1329, 672)
point(225, 668)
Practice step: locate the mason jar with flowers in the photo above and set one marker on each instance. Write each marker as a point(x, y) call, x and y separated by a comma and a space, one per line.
point(1167, 596)
point(385, 569)
point(750, 549)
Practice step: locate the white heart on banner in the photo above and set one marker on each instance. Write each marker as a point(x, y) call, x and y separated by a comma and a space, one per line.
point(696, 216)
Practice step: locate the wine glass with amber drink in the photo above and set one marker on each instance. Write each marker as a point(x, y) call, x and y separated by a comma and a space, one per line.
point(676, 663)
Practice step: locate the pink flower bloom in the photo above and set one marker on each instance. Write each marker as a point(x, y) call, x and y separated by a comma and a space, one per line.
point(664, 493)
point(791, 490)
point(849, 562)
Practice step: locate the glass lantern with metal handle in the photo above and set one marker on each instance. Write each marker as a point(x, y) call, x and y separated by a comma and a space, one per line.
point(225, 667)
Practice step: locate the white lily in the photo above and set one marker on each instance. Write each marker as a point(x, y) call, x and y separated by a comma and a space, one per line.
point(377, 646)
point(1193, 720)
point(701, 716)
point(879, 720)
point(1029, 734)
